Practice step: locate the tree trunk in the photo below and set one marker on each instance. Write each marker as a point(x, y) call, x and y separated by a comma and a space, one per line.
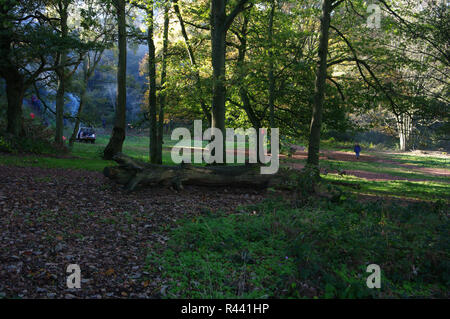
point(218, 47)
point(153, 147)
point(162, 96)
point(60, 72)
point(271, 67)
point(15, 90)
point(404, 127)
point(15, 81)
point(319, 92)
point(82, 102)
point(60, 103)
point(118, 134)
point(132, 173)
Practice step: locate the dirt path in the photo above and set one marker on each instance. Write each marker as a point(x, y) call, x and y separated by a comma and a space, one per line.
point(51, 218)
point(350, 157)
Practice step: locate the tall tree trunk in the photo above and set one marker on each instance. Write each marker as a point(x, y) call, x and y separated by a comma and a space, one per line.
point(271, 67)
point(82, 102)
point(218, 44)
point(63, 7)
point(220, 23)
point(118, 134)
point(60, 103)
point(203, 104)
point(15, 90)
point(271, 76)
point(404, 127)
point(319, 92)
point(162, 96)
point(153, 147)
point(15, 81)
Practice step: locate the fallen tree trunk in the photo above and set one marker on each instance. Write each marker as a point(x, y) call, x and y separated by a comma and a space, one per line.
point(132, 173)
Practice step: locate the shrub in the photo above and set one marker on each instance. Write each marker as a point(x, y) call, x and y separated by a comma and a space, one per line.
point(37, 139)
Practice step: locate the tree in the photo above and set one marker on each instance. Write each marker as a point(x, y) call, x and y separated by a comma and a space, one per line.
point(152, 85)
point(271, 76)
point(220, 23)
point(162, 96)
point(118, 133)
point(27, 47)
point(319, 91)
point(62, 9)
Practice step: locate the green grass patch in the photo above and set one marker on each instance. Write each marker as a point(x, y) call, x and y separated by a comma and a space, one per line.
point(420, 160)
point(426, 190)
point(275, 251)
point(88, 156)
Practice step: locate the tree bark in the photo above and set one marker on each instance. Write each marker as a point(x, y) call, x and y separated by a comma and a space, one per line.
point(218, 50)
point(271, 66)
point(15, 81)
point(60, 103)
point(319, 92)
point(118, 134)
point(153, 147)
point(132, 174)
point(404, 127)
point(82, 102)
point(15, 90)
point(60, 72)
point(162, 96)
point(220, 23)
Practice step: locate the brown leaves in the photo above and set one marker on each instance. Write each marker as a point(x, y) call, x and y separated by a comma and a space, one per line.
point(51, 218)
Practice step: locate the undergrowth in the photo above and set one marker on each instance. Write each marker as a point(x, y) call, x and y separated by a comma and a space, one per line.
point(320, 250)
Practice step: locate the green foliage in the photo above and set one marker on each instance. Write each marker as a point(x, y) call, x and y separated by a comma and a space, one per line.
point(321, 250)
point(5, 145)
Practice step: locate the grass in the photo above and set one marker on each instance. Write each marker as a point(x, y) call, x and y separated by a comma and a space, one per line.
point(322, 250)
point(88, 156)
point(400, 189)
point(380, 168)
point(421, 160)
point(85, 156)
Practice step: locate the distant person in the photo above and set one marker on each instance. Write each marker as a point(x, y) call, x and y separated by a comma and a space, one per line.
point(104, 123)
point(357, 150)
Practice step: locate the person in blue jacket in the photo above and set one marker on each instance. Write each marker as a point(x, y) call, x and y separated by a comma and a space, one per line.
point(357, 150)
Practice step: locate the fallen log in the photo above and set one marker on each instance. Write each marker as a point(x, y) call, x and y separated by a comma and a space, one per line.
point(132, 173)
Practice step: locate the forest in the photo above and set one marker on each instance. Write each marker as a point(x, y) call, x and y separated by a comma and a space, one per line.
point(116, 154)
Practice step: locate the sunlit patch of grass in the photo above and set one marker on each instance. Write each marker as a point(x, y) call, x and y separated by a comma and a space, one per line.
point(381, 168)
point(424, 190)
point(89, 156)
point(421, 160)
